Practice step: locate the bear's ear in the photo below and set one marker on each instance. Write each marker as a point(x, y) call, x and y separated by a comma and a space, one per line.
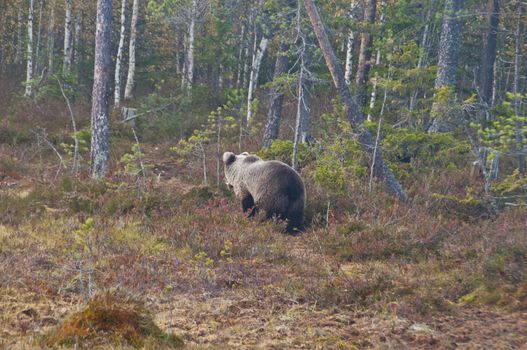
point(228, 158)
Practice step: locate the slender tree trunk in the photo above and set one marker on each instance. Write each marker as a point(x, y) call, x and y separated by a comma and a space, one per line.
point(128, 91)
point(117, 78)
point(377, 62)
point(18, 52)
point(68, 49)
point(364, 64)
point(78, 44)
point(51, 37)
point(101, 92)
point(29, 69)
point(239, 73)
point(488, 56)
point(355, 117)
point(255, 71)
point(190, 48)
point(350, 43)
point(423, 53)
point(274, 115)
point(39, 32)
point(447, 65)
point(300, 101)
point(516, 90)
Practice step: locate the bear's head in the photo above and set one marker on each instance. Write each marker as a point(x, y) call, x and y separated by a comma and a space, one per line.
point(234, 165)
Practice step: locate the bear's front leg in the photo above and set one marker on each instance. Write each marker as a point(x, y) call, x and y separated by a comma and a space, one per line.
point(248, 204)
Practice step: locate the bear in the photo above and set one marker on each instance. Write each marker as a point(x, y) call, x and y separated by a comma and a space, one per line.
point(272, 187)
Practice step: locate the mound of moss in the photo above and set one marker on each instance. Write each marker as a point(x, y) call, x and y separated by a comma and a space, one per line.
point(111, 318)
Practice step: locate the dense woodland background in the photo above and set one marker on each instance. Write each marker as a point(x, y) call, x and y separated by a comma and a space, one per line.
point(406, 119)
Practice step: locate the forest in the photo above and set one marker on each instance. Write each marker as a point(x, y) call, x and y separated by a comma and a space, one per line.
point(405, 120)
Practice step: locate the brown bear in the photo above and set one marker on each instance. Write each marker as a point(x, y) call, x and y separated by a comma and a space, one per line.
point(272, 187)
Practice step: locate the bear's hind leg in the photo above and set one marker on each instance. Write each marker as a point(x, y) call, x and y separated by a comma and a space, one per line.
point(248, 205)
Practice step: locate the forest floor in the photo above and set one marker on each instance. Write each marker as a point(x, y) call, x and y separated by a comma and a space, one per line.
point(218, 280)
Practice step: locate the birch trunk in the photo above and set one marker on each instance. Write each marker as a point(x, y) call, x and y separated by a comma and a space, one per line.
point(447, 65)
point(77, 45)
point(274, 115)
point(239, 73)
point(364, 64)
point(355, 117)
point(190, 49)
point(254, 75)
point(100, 94)
point(51, 37)
point(68, 50)
point(377, 62)
point(128, 91)
point(39, 32)
point(350, 43)
point(117, 78)
point(29, 68)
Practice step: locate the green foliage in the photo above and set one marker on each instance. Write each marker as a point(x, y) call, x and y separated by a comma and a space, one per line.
point(131, 162)
point(283, 150)
point(412, 150)
point(514, 184)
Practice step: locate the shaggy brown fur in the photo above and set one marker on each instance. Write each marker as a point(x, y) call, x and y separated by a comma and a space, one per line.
point(270, 186)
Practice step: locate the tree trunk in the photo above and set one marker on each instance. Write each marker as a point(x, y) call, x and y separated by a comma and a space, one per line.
point(255, 71)
point(39, 32)
point(274, 115)
point(18, 52)
point(488, 56)
point(128, 91)
point(239, 73)
point(29, 69)
point(190, 49)
point(447, 65)
point(51, 37)
point(78, 45)
point(117, 78)
point(364, 64)
point(355, 117)
point(423, 53)
point(516, 90)
point(100, 94)
point(350, 43)
point(68, 49)
point(377, 62)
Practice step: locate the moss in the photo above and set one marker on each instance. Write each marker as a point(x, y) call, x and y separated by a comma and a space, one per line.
point(111, 318)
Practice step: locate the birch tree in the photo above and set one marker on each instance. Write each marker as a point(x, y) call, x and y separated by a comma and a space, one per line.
point(364, 64)
point(100, 94)
point(68, 47)
point(51, 37)
point(117, 79)
point(128, 91)
point(255, 71)
point(29, 58)
point(350, 43)
point(189, 73)
point(355, 116)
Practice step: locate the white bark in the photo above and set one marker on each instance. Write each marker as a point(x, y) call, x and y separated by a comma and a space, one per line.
point(77, 43)
point(51, 37)
point(190, 48)
point(117, 79)
point(255, 71)
point(29, 70)
point(39, 32)
point(128, 92)
point(349, 50)
point(68, 49)
point(376, 78)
